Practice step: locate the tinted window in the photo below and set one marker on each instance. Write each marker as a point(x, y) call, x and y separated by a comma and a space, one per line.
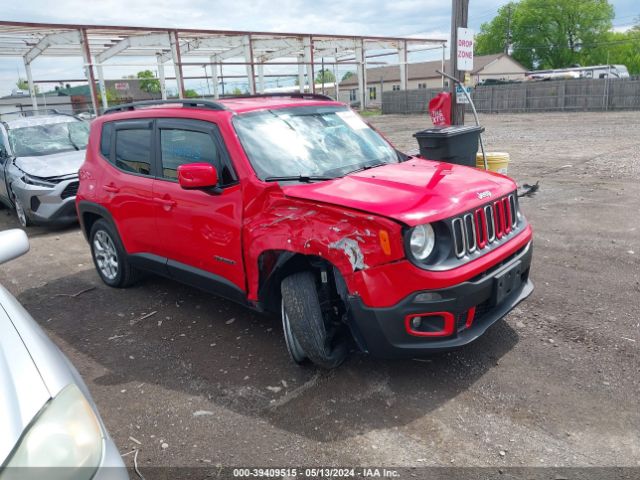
point(105, 140)
point(179, 147)
point(133, 150)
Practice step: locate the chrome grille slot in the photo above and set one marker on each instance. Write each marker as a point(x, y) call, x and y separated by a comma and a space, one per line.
point(514, 210)
point(470, 233)
point(491, 229)
point(459, 247)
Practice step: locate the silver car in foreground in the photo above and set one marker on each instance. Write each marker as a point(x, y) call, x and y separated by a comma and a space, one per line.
point(40, 154)
point(47, 416)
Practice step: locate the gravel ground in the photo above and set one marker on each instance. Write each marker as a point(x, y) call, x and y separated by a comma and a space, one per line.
point(199, 381)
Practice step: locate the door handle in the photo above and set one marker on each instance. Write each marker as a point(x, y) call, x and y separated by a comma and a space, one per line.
point(167, 203)
point(111, 188)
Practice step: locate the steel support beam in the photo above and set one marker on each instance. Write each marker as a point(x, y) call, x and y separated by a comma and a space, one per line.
point(402, 60)
point(308, 60)
point(360, 72)
point(177, 61)
point(101, 86)
point(88, 68)
point(248, 57)
point(160, 40)
point(260, 78)
point(163, 83)
point(301, 73)
point(32, 88)
point(62, 38)
point(214, 77)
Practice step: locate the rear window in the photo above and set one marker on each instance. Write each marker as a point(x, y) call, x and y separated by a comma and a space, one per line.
point(133, 151)
point(105, 140)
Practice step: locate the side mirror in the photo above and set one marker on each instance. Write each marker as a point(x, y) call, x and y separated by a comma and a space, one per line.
point(197, 175)
point(13, 244)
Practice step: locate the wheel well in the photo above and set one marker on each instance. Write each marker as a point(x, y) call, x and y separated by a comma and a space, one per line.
point(88, 219)
point(275, 265)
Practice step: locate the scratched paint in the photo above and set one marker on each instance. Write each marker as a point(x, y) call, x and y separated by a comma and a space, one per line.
point(352, 250)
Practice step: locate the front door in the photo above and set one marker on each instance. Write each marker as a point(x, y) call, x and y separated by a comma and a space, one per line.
point(199, 230)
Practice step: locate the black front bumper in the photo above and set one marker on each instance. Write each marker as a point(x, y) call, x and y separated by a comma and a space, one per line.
point(382, 331)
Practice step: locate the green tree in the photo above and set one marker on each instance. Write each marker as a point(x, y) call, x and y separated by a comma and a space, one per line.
point(111, 94)
point(236, 91)
point(325, 76)
point(547, 33)
point(618, 48)
point(190, 93)
point(347, 76)
point(148, 82)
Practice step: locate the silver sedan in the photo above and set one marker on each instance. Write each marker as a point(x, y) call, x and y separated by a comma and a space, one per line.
point(47, 416)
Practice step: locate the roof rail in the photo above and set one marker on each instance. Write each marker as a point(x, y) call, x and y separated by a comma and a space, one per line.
point(192, 102)
point(305, 96)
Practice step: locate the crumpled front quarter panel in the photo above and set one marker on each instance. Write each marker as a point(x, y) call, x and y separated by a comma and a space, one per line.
point(347, 239)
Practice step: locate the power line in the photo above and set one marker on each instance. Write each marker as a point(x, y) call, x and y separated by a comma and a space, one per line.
point(593, 44)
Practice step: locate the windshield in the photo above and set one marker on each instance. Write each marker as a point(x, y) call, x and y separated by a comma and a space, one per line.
point(310, 141)
point(49, 138)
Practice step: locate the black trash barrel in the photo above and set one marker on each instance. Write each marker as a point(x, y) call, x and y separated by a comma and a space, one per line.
point(453, 144)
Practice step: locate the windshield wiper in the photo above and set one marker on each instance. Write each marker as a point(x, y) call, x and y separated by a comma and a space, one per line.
point(299, 178)
point(368, 167)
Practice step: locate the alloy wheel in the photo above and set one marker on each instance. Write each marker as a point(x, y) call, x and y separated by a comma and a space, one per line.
point(105, 254)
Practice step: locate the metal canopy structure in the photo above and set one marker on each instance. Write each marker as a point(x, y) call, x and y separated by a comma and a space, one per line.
point(190, 47)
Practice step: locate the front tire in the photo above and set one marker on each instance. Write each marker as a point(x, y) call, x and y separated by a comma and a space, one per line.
point(21, 213)
point(109, 256)
point(318, 335)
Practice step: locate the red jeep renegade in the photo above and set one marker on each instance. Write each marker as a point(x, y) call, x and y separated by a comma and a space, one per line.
point(293, 204)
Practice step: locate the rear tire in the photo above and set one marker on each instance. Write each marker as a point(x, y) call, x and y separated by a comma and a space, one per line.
point(322, 341)
point(109, 256)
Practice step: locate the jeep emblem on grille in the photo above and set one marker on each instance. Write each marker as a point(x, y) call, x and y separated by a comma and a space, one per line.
point(484, 194)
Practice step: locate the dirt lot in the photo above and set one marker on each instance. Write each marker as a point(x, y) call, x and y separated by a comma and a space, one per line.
point(556, 383)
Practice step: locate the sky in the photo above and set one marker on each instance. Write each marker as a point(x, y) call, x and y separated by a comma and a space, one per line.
point(427, 18)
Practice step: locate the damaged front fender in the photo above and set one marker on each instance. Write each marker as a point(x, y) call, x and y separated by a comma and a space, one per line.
point(349, 240)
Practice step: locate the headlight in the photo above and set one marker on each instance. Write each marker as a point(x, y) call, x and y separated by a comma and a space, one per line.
point(422, 241)
point(36, 182)
point(66, 433)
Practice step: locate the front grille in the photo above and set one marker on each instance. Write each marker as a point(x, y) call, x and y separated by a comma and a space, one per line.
point(477, 230)
point(70, 190)
point(482, 309)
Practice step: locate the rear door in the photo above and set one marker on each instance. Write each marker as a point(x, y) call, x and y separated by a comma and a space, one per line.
point(127, 187)
point(200, 230)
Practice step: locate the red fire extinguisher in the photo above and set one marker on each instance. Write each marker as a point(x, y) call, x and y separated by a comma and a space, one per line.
point(440, 109)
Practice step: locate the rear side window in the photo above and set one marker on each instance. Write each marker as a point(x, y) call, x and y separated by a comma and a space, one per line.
point(133, 150)
point(105, 140)
point(179, 147)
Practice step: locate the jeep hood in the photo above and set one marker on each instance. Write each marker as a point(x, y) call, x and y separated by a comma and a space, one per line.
point(54, 165)
point(412, 192)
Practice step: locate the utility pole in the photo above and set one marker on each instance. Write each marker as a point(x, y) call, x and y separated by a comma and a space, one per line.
point(459, 18)
point(507, 44)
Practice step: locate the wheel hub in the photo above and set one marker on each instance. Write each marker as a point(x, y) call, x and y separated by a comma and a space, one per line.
point(104, 251)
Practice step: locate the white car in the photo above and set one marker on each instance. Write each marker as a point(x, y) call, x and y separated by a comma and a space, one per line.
point(47, 416)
